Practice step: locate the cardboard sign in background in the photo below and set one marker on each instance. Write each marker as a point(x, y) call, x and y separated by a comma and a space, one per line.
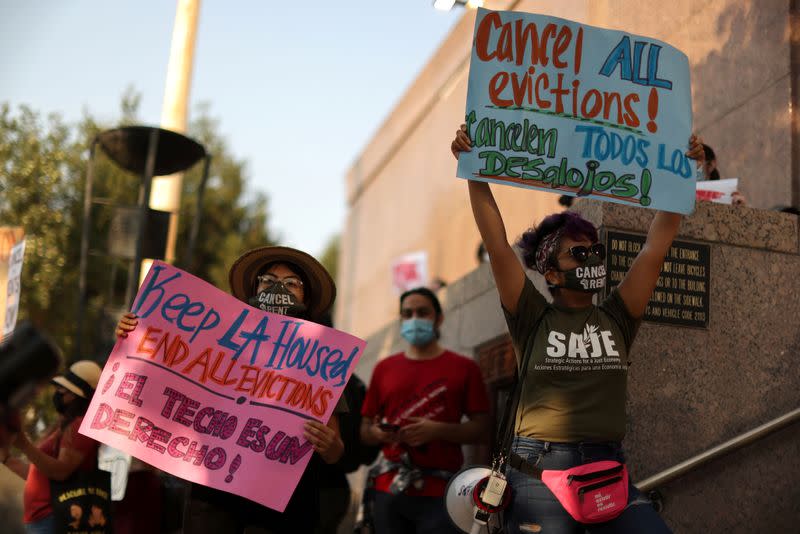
point(12, 254)
point(215, 391)
point(572, 109)
point(719, 191)
point(410, 271)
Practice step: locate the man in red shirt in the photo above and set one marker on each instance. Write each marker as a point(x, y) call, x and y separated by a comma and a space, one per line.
point(414, 408)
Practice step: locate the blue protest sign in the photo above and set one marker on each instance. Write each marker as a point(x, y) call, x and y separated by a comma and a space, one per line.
point(572, 109)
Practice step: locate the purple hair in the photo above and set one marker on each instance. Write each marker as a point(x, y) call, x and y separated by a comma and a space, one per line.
point(571, 225)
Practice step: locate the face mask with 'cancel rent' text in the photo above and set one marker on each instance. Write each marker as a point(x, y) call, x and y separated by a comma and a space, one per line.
point(278, 299)
point(589, 277)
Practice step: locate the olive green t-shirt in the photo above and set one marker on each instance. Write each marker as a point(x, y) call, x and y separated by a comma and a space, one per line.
point(577, 376)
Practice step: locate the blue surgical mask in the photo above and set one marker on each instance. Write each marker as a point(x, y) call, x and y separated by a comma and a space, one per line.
point(418, 332)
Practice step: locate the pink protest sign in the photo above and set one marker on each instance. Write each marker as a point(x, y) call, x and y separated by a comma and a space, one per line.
point(214, 391)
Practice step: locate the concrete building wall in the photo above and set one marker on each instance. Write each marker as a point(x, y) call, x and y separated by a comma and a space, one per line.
point(402, 192)
point(739, 56)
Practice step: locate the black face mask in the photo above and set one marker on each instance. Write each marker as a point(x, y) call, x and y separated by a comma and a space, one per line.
point(278, 299)
point(589, 277)
point(58, 402)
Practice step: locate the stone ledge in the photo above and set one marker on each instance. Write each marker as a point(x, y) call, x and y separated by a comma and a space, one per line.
point(716, 223)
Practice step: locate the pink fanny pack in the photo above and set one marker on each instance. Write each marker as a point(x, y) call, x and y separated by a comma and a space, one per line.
point(591, 493)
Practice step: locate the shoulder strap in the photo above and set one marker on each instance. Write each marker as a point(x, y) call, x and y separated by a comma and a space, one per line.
point(507, 426)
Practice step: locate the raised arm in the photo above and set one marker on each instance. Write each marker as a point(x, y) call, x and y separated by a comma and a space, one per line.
point(59, 468)
point(640, 280)
point(509, 276)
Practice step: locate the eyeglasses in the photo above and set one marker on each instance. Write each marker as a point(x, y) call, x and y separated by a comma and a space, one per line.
point(291, 282)
point(581, 253)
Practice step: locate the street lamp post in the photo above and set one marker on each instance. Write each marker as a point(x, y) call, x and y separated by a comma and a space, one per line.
point(166, 190)
point(147, 152)
point(447, 5)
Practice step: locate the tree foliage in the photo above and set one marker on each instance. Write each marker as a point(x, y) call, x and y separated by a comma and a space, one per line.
point(43, 162)
point(40, 158)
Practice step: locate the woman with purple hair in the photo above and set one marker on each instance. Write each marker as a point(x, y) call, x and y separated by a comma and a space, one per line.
point(572, 405)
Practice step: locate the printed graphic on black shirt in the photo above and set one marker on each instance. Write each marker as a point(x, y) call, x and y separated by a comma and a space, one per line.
point(592, 349)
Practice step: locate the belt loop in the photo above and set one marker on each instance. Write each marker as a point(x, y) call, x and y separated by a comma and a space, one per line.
point(545, 450)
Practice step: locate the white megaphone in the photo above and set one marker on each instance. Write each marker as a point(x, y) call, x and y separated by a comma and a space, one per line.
point(464, 499)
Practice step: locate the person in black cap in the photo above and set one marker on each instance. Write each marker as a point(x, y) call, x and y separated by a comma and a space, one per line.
point(62, 452)
point(289, 282)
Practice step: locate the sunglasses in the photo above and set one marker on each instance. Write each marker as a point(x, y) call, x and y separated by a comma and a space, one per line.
point(581, 253)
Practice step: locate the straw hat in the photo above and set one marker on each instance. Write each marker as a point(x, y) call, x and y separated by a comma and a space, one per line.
point(81, 379)
point(320, 292)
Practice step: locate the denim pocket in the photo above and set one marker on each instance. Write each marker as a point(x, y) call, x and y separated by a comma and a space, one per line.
point(528, 449)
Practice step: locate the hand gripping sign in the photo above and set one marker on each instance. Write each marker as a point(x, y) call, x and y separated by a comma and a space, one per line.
point(572, 109)
point(214, 391)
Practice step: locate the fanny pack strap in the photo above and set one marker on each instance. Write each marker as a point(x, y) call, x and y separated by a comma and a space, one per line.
point(502, 453)
point(524, 466)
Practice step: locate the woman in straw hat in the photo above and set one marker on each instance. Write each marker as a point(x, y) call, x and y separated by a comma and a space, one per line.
point(62, 452)
point(289, 282)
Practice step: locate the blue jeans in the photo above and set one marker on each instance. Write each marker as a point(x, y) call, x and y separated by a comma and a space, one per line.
point(401, 514)
point(46, 525)
point(534, 508)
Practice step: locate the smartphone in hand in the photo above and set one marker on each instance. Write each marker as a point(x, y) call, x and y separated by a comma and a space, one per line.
point(388, 427)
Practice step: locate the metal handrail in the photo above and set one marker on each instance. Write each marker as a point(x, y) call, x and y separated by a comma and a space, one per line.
point(668, 475)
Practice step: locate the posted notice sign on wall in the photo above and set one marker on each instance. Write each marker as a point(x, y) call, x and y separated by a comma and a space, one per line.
point(683, 289)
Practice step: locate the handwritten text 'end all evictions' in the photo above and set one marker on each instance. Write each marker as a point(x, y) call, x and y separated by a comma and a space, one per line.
point(214, 391)
point(572, 109)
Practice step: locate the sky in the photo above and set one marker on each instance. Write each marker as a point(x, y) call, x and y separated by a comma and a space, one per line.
point(299, 87)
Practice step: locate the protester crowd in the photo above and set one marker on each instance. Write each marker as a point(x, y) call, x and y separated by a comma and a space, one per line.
point(421, 404)
point(420, 407)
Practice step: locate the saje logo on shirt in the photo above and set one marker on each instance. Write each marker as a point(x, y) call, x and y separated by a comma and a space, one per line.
point(592, 343)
